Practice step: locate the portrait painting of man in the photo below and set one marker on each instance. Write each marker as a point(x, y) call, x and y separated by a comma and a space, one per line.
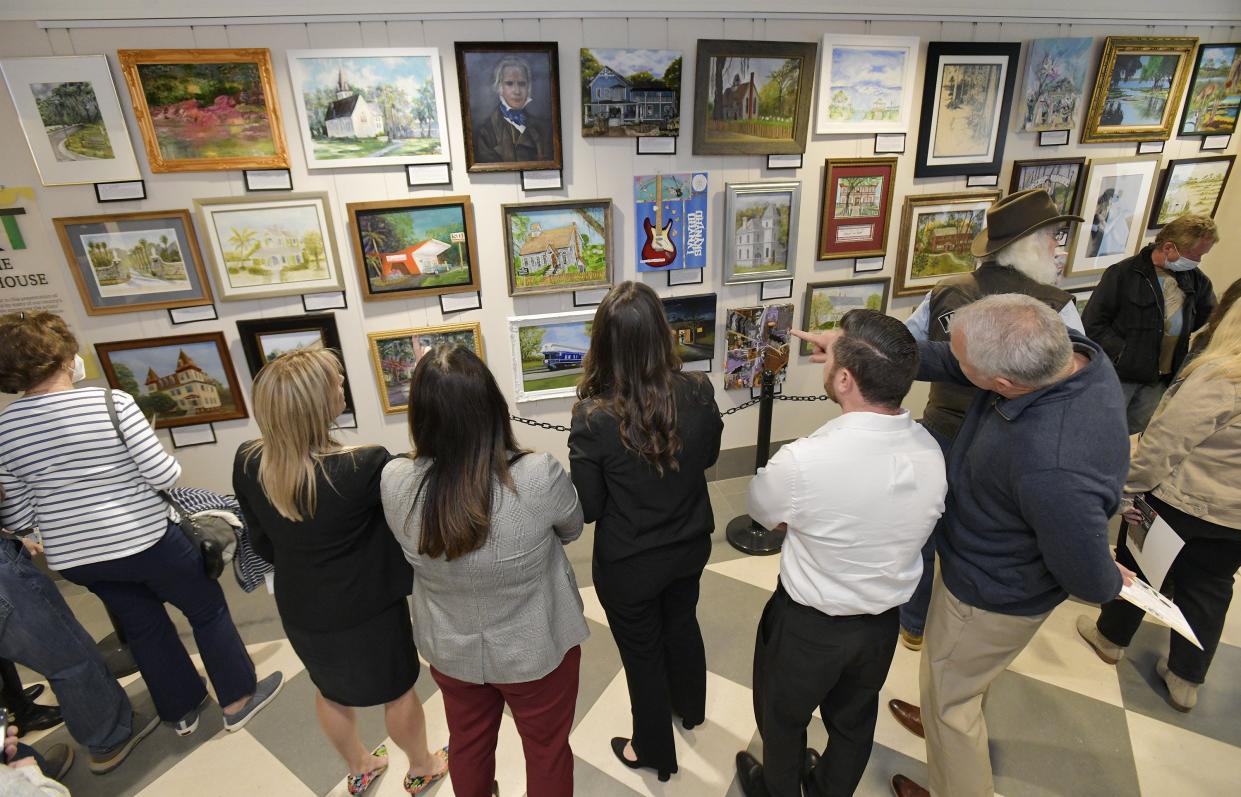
point(510, 105)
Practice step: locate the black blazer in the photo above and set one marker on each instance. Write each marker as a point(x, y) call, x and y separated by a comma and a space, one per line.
point(341, 566)
point(635, 509)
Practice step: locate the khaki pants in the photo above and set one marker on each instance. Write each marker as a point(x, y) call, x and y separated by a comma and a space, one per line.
point(966, 649)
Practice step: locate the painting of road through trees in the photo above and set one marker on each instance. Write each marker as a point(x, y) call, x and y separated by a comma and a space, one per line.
point(71, 118)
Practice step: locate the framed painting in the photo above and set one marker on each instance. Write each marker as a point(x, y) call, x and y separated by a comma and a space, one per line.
point(547, 353)
point(265, 339)
point(179, 380)
point(271, 247)
point(1081, 297)
point(1059, 177)
point(967, 96)
point(760, 240)
point(1190, 185)
point(827, 303)
point(1115, 203)
point(1052, 86)
point(866, 84)
point(206, 110)
point(936, 233)
point(510, 105)
point(1139, 81)
point(394, 355)
point(1214, 91)
point(126, 262)
point(630, 92)
point(856, 207)
point(370, 107)
point(414, 247)
point(752, 97)
point(72, 119)
point(757, 340)
point(692, 319)
point(673, 212)
point(554, 247)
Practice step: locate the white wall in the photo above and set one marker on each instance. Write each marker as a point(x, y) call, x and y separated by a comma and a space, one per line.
point(593, 168)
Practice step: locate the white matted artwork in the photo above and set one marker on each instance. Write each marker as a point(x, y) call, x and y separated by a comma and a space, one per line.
point(866, 84)
point(548, 350)
point(1117, 193)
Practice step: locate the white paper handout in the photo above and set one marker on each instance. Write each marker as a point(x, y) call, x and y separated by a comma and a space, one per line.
point(1149, 599)
point(1153, 543)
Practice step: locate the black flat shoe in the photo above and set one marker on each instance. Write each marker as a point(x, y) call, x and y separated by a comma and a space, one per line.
point(31, 692)
point(618, 747)
point(36, 718)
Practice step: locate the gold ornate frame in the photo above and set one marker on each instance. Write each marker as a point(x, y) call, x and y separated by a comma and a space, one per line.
point(1180, 46)
point(372, 349)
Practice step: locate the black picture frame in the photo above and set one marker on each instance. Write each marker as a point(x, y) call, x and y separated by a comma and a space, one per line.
point(1185, 128)
point(251, 331)
point(1165, 181)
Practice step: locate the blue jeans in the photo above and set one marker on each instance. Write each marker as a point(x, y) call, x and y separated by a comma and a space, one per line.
point(135, 588)
point(37, 629)
point(1141, 399)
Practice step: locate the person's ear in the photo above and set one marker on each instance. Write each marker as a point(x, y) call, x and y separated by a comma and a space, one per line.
point(844, 381)
point(1000, 384)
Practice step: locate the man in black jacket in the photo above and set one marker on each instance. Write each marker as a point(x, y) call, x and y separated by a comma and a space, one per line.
point(1147, 306)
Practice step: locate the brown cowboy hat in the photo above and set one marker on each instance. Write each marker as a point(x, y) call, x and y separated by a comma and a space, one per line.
point(1015, 216)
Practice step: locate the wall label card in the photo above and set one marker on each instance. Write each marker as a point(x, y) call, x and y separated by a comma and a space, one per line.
point(589, 298)
point(1216, 142)
point(784, 161)
point(865, 264)
point(1150, 147)
point(776, 289)
point(333, 300)
point(1053, 138)
point(125, 190)
point(890, 142)
point(188, 315)
point(982, 180)
point(685, 276)
point(202, 434)
point(269, 180)
point(424, 174)
point(541, 180)
point(460, 302)
point(656, 145)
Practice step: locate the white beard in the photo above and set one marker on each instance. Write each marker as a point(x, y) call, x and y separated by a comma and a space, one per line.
point(1029, 256)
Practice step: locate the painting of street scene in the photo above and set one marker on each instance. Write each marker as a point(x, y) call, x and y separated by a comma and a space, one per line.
point(967, 110)
point(1138, 89)
point(550, 354)
point(396, 353)
point(1215, 94)
point(1193, 188)
point(941, 242)
point(692, 319)
point(867, 84)
point(136, 263)
point(186, 380)
point(557, 247)
point(1055, 69)
point(827, 303)
point(71, 118)
point(378, 108)
point(760, 232)
point(752, 99)
point(415, 247)
point(757, 340)
point(275, 245)
point(630, 92)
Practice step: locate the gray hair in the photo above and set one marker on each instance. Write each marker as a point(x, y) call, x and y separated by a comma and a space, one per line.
point(509, 61)
point(1016, 337)
point(1028, 254)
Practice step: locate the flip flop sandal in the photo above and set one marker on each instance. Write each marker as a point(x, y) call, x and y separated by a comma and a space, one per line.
point(360, 783)
point(416, 784)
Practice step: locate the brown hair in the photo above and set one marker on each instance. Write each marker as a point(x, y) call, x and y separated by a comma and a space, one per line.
point(35, 345)
point(630, 371)
point(1187, 231)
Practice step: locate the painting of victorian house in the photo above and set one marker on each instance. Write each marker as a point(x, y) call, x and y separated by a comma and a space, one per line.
point(189, 386)
point(630, 92)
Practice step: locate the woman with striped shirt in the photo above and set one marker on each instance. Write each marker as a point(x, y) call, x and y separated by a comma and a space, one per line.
point(93, 494)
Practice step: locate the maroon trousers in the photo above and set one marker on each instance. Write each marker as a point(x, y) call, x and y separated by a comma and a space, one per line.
point(543, 712)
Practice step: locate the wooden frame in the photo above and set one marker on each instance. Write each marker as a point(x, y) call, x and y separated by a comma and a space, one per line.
point(132, 62)
point(392, 264)
point(1065, 204)
point(1169, 174)
point(390, 397)
point(1081, 296)
point(974, 202)
point(108, 351)
point(934, 125)
point(1101, 224)
point(512, 256)
point(828, 119)
point(808, 315)
point(92, 291)
point(478, 161)
point(320, 209)
point(734, 193)
point(252, 331)
point(1094, 128)
point(562, 357)
point(1231, 103)
point(832, 246)
point(795, 142)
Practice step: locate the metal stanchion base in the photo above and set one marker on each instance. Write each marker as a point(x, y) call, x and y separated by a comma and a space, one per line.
point(748, 537)
point(116, 655)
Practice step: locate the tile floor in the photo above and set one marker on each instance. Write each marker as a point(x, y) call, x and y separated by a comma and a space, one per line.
point(1061, 721)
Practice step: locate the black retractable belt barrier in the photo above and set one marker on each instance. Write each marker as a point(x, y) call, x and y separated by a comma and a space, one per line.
point(743, 533)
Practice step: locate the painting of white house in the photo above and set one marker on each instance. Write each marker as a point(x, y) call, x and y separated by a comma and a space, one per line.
point(558, 246)
point(370, 107)
point(865, 83)
point(629, 92)
point(128, 263)
point(760, 236)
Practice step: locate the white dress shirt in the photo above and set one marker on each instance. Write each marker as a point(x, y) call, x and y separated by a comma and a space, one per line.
point(860, 497)
point(919, 322)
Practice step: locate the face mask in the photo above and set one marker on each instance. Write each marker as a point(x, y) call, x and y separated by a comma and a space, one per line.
point(1184, 264)
point(79, 368)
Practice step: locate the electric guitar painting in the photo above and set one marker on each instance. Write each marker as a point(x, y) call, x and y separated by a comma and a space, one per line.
point(660, 250)
point(673, 232)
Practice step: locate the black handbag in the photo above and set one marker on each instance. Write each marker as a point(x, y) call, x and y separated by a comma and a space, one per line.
point(212, 536)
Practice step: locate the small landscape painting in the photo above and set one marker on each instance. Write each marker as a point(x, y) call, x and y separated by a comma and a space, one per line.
point(865, 83)
point(1192, 185)
point(1137, 89)
point(629, 92)
point(414, 246)
point(757, 340)
point(1214, 92)
point(558, 246)
point(394, 355)
point(125, 263)
point(936, 233)
point(827, 303)
point(71, 118)
point(1053, 87)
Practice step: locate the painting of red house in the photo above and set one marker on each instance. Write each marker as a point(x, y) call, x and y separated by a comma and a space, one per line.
point(421, 258)
point(741, 99)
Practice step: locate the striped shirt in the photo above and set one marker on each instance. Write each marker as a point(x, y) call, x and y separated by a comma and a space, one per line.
point(65, 470)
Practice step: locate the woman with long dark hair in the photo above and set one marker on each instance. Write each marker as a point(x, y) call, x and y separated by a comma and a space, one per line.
point(644, 434)
point(497, 611)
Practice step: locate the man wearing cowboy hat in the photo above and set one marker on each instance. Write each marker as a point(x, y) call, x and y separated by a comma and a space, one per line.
point(1017, 250)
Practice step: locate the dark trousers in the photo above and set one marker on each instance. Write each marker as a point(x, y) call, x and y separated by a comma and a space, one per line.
point(135, 588)
point(803, 660)
point(651, 602)
point(543, 713)
point(1200, 581)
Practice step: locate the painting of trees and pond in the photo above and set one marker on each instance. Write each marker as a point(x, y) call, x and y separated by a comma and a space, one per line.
point(1139, 80)
point(1214, 92)
point(1138, 91)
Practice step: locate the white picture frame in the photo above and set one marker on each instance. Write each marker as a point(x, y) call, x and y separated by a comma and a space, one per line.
point(57, 159)
point(1097, 243)
point(839, 56)
point(571, 346)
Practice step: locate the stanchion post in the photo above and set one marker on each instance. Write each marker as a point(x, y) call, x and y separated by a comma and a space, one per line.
point(743, 533)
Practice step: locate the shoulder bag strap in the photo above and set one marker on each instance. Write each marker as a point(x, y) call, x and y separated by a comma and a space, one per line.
point(115, 417)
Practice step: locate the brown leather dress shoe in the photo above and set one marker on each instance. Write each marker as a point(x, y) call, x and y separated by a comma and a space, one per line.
point(908, 715)
point(904, 787)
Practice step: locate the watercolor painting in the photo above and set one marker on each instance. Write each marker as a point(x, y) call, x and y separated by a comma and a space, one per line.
point(274, 245)
point(394, 355)
point(1192, 185)
point(1214, 92)
point(1116, 195)
point(966, 111)
point(967, 94)
point(1053, 86)
point(865, 83)
point(1061, 178)
point(827, 303)
point(631, 92)
point(856, 204)
point(558, 246)
point(757, 340)
point(72, 121)
point(127, 263)
point(759, 240)
point(692, 319)
point(1113, 215)
point(936, 233)
point(548, 351)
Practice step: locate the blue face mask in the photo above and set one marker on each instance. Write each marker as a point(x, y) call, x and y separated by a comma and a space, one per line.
point(1183, 264)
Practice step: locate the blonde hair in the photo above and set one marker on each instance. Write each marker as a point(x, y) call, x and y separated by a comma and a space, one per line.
point(1223, 352)
point(1187, 231)
point(293, 405)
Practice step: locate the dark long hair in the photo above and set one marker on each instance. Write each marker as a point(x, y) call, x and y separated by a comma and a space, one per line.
point(459, 421)
point(630, 370)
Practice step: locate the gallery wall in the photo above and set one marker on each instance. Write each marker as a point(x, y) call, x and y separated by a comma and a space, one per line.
point(592, 168)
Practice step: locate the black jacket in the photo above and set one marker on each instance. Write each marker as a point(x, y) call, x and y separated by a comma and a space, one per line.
point(1126, 315)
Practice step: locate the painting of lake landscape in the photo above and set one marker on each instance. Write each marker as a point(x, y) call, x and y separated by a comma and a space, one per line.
point(1054, 77)
point(1214, 92)
point(1135, 93)
point(865, 83)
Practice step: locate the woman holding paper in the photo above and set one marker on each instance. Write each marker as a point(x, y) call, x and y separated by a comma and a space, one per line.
point(1188, 466)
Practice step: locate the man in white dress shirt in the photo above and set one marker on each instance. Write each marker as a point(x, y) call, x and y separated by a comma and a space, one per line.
point(859, 498)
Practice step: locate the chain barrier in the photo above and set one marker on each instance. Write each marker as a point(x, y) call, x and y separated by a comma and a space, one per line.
point(744, 406)
point(539, 424)
point(820, 397)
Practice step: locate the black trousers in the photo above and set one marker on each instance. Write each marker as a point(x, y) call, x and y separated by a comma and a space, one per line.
point(803, 660)
point(651, 602)
point(1200, 581)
